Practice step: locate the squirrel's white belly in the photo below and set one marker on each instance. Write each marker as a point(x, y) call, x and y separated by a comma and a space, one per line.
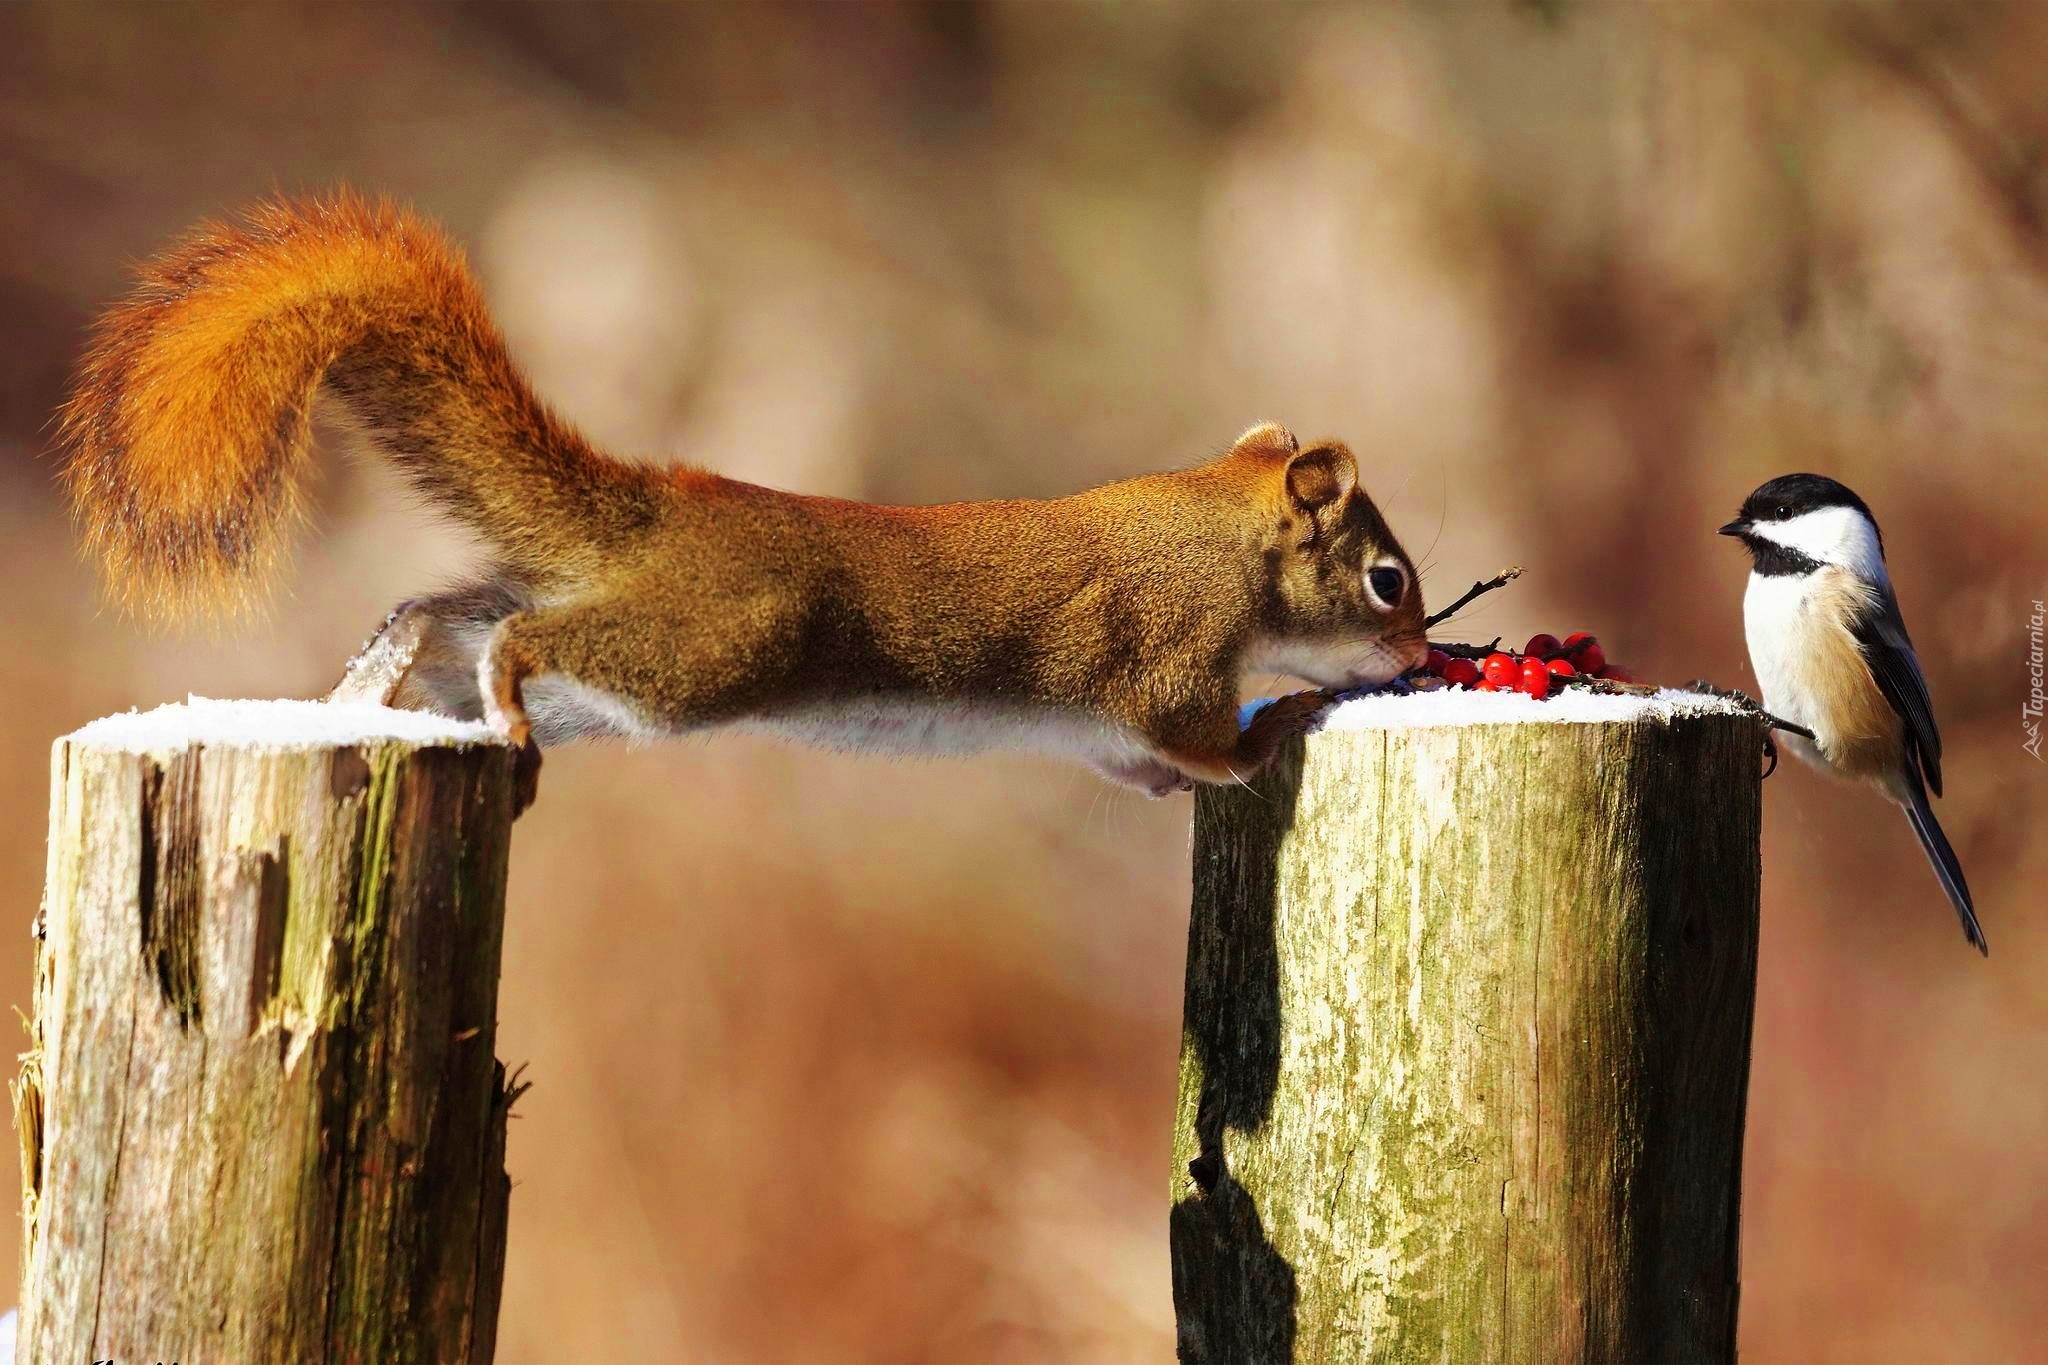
point(563, 710)
point(903, 726)
point(914, 727)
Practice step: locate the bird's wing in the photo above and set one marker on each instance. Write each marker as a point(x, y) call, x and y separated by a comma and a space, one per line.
point(1881, 632)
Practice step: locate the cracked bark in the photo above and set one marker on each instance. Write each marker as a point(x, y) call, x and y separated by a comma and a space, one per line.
point(1466, 1047)
point(261, 1115)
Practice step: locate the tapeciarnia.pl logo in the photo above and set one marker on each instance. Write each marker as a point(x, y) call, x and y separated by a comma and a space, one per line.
point(2037, 694)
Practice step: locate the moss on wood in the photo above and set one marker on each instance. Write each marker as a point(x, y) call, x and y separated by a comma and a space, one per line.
point(261, 1117)
point(1466, 1047)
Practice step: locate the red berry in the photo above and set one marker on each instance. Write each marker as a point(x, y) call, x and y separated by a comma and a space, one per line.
point(1562, 667)
point(1590, 657)
point(1616, 673)
point(1577, 638)
point(1436, 662)
point(1461, 672)
point(1543, 646)
point(1501, 669)
point(1535, 679)
point(1486, 687)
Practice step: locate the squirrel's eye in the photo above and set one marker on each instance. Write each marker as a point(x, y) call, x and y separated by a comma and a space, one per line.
point(1388, 585)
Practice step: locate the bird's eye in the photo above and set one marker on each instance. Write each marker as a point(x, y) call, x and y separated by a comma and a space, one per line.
point(1781, 511)
point(1387, 583)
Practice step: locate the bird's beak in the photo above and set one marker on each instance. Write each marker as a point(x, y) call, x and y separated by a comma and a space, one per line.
point(1735, 527)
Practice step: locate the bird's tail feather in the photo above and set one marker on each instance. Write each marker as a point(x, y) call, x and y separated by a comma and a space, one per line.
point(1946, 866)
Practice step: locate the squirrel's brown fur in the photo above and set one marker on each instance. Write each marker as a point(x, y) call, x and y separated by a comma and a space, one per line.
point(191, 415)
point(1113, 624)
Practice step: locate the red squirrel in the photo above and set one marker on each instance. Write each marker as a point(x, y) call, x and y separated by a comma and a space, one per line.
point(1113, 626)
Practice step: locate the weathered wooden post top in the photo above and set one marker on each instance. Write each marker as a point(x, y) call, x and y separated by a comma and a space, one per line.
point(262, 1119)
point(1466, 1045)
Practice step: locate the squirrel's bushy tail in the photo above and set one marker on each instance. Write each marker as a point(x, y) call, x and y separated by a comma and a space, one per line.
point(188, 427)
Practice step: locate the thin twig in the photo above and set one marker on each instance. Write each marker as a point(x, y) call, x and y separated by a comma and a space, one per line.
point(1499, 580)
point(1464, 651)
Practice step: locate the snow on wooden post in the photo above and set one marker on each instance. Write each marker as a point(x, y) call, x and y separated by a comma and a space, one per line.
point(261, 1117)
point(1467, 1037)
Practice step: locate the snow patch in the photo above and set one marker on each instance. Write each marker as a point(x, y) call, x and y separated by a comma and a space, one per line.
point(274, 725)
point(1573, 706)
point(1397, 710)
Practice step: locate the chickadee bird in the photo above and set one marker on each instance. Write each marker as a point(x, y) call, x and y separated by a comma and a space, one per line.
point(1831, 653)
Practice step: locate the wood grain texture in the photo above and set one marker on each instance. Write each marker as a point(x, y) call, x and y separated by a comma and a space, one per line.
point(262, 1118)
point(1467, 1045)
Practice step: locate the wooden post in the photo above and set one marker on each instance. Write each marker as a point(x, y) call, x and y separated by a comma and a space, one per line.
point(1467, 1044)
point(261, 1115)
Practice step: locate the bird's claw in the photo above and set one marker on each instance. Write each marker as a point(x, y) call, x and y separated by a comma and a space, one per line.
point(1734, 694)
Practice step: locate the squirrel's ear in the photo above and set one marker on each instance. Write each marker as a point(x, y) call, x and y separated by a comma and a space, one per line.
point(1321, 476)
point(1267, 438)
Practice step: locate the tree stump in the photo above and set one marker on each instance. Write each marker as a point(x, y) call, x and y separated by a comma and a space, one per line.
point(1467, 1042)
point(261, 1117)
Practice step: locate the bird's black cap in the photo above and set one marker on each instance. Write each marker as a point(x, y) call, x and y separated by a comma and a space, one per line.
point(1792, 495)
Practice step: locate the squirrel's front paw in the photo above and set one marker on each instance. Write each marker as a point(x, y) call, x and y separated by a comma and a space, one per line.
point(1294, 714)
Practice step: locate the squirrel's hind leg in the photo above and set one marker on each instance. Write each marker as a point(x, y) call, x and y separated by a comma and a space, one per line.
point(638, 663)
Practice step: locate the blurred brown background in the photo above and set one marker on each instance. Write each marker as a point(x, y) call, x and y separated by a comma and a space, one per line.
point(844, 1060)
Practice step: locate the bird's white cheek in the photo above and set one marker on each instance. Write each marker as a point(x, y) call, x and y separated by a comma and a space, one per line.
point(1832, 535)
